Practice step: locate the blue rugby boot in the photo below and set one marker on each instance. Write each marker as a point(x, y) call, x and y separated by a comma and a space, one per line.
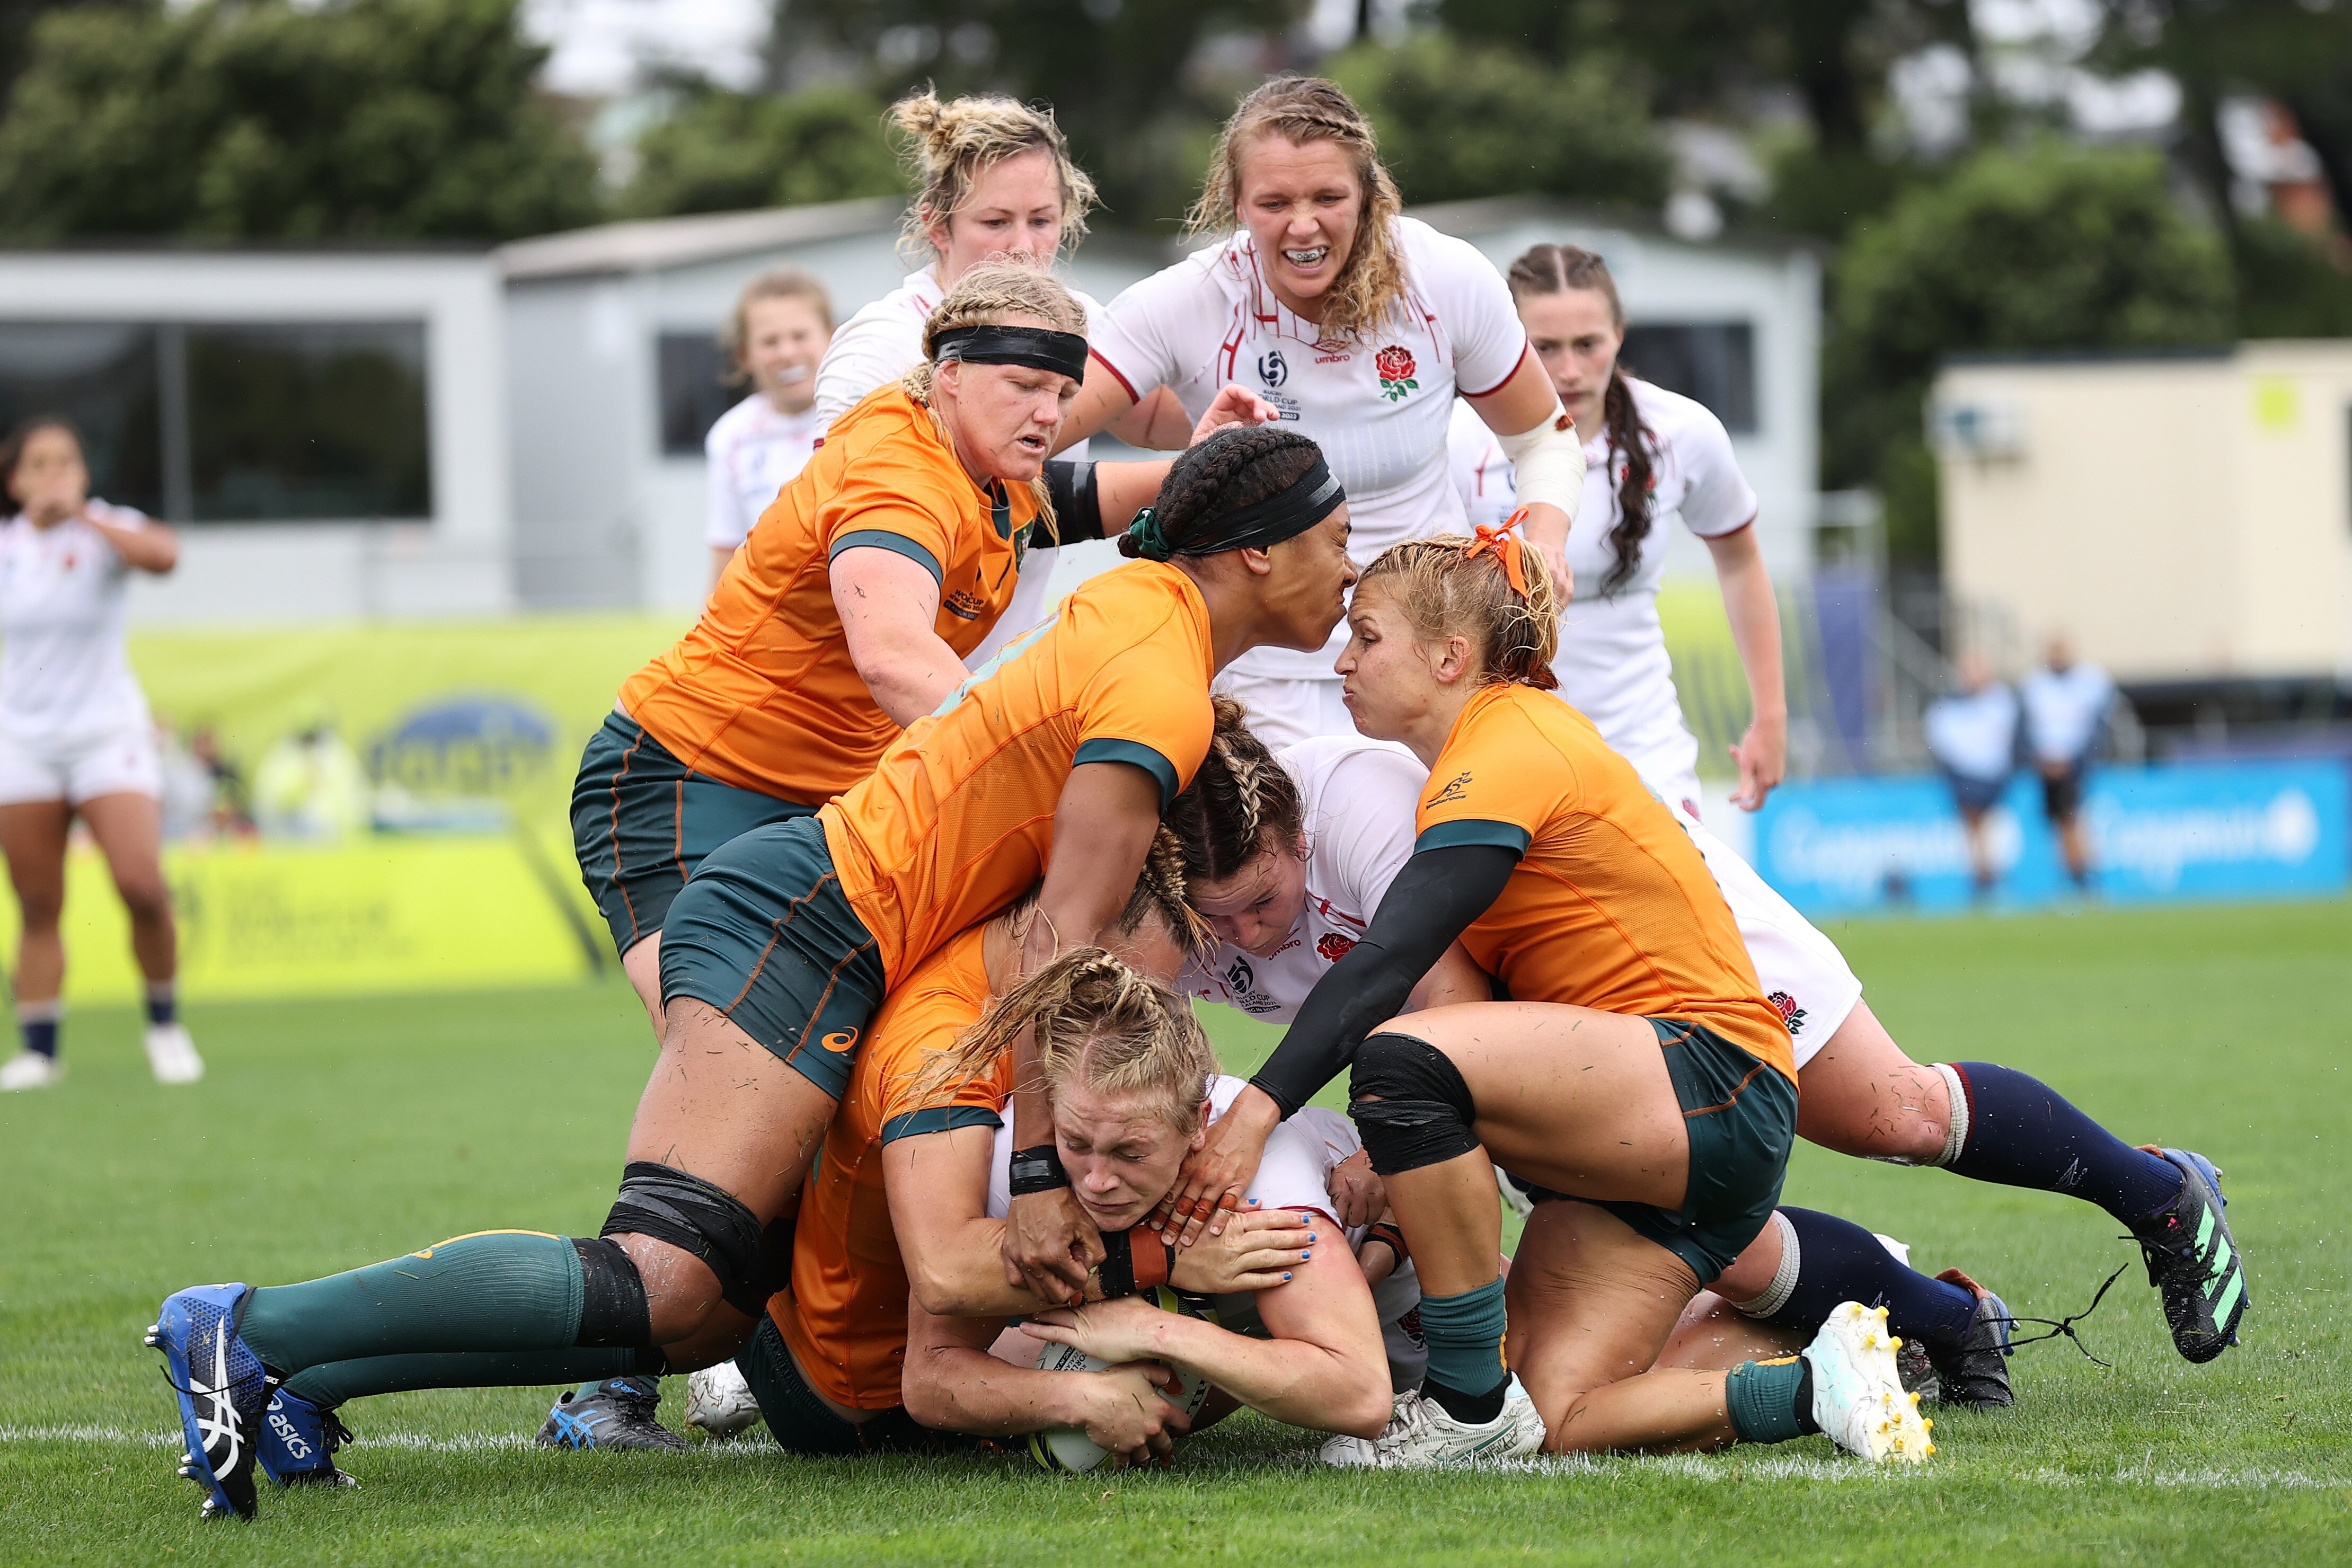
point(299, 1440)
point(1973, 1367)
point(618, 1415)
point(222, 1391)
point(2193, 1259)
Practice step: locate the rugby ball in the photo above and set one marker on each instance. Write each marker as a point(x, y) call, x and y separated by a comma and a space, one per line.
point(1068, 1449)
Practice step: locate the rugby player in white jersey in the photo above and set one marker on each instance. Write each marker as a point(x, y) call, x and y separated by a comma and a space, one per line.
point(75, 738)
point(1360, 327)
point(781, 323)
point(1290, 857)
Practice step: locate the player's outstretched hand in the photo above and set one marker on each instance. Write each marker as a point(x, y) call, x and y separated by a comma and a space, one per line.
point(1128, 1412)
point(1356, 1194)
point(1762, 757)
point(1217, 1174)
point(1234, 405)
point(1258, 1250)
point(1050, 1245)
point(1125, 1330)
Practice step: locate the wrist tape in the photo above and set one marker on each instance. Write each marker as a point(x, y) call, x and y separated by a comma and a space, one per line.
point(1036, 1170)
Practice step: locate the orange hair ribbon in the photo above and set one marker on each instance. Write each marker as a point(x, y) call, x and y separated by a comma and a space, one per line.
point(1508, 550)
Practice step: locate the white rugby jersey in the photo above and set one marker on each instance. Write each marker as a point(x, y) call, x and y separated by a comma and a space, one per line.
point(1482, 475)
point(753, 451)
point(63, 598)
point(1358, 798)
point(877, 346)
point(1612, 664)
point(1380, 407)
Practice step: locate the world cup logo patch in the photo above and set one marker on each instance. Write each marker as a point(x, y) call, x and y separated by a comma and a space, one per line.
point(1395, 368)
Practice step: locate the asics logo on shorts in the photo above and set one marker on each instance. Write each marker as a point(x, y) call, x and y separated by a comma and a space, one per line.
point(841, 1039)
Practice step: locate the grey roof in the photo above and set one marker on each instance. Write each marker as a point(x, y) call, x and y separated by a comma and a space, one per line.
point(1487, 214)
point(657, 242)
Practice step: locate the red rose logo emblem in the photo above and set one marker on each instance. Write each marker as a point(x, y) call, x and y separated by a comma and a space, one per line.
point(1394, 365)
point(1334, 947)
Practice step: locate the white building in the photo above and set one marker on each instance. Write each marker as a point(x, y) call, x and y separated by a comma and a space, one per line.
point(422, 432)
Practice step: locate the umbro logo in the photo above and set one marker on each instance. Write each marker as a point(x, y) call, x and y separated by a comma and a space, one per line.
point(1455, 788)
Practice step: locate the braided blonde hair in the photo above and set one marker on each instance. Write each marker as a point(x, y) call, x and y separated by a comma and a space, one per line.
point(1371, 284)
point(1447, 592)
point(989, 294)
point(950, 145)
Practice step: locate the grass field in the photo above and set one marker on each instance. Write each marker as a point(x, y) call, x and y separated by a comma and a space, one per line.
point(334, 1134)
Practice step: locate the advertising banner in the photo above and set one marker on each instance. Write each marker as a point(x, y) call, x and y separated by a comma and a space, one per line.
point(2174, 833)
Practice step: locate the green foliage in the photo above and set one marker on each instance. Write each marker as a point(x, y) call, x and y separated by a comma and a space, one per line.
point(727, 150)
point(372, 119)
point(2052, 247)
point(2287, 286)
point(1458, 121)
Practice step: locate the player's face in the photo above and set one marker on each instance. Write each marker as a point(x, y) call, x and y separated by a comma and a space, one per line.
point(1004, 417)
point(50, 481)
point(1013, 213)
point(1577, 337)
point(783, 341)
point(1301, 202)
point(1387, 683)
point(1122, 1156)
point(1306, 591)
point(1256, 909)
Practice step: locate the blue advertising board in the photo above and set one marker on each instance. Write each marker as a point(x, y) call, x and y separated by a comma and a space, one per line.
point(2174, 833)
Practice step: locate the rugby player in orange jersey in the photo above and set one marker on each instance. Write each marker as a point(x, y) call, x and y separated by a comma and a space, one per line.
point(1638, 1065)
point(1055, 763)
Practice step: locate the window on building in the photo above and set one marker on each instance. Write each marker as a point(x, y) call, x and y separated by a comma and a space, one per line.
point(695, 390)
point(103, 377)
point(233, 422)
point(1713, 363)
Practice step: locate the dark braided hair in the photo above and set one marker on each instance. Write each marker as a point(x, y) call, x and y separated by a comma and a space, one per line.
point(1556, 269)
point(1241, 797)
point(1232, 469)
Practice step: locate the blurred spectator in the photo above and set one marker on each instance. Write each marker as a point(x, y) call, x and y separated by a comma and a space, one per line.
point(232, 805)
point(187, 789)
point(776, 337)
point(310, 786)
point(1972, 733)
point(2066, 705)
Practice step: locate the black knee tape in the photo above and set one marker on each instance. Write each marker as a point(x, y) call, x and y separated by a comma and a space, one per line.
point(1410, 1103)
point(613, 1306)
point(690, 1214)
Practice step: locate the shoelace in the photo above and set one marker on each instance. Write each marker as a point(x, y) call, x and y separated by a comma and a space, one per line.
point(2065, 1327)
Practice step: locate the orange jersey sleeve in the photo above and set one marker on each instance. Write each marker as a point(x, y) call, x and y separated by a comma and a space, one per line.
point(957, 820)
point(1610, 906)
point(845, 1314)
point(762, 693)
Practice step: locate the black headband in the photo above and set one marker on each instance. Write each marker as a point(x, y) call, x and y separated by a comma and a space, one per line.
point(1314, 497)
point(1038, 348)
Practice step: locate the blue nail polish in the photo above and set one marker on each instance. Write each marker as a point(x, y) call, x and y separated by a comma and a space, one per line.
point(1285, 1276)
point(1304, 1255)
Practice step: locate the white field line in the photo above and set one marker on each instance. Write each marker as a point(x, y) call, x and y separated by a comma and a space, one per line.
point(1686, 1466)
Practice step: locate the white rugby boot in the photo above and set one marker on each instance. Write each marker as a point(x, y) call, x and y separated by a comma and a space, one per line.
point(29, 1070)
point(1858, 1398)
point(171, 1054)
point(718, 1400)
point(1421, 1436)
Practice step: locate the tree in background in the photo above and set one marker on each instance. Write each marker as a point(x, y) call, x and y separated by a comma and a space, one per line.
point(726, 151)
point(2057, 246)
point(1458, 121)
point(370, 119)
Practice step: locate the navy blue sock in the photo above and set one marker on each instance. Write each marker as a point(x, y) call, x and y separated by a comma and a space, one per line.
point(2021, 1132)
point(1837, 1261)
point(38, 1021)
point(163, 1003)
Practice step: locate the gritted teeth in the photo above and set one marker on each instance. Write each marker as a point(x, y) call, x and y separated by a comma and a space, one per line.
point(1306, 258)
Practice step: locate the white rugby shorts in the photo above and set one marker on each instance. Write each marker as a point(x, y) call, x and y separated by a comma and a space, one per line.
point(121, 761)
point(1803, 973)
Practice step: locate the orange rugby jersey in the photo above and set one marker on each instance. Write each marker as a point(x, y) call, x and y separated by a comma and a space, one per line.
point(957, 820)
point(762, 693)
point(846, 1315)
point(1610, 906)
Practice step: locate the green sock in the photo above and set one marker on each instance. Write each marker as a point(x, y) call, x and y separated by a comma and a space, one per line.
point(331, 1383)
point(494, 1291)
point(1771, 1401)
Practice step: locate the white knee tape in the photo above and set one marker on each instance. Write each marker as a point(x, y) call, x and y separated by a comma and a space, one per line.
point(1956, 1132)
point(1784, 1277)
